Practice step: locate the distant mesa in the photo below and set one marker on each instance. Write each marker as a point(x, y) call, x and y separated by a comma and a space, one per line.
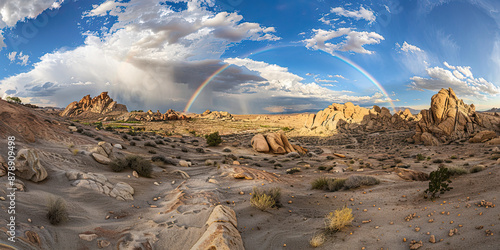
point(101, 104)
point(339, 117)
point(450, 119)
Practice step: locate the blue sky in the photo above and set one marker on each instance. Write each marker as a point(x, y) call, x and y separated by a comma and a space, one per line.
point(284, 56)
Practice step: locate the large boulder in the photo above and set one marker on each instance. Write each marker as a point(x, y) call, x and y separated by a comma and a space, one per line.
point(28, 166)
point(101, 104)
point(483, 136)
point(276, 143)
point(449, 119)
point(99, 183)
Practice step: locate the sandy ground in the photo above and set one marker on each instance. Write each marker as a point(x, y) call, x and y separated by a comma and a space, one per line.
point(177, 219)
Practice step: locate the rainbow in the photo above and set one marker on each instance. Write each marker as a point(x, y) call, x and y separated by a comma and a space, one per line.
point(202, 86)
point(368, 76)
point(265, 49)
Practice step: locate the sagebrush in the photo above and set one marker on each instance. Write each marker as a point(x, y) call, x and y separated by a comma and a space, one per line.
point(56, 211)
point(340, 218)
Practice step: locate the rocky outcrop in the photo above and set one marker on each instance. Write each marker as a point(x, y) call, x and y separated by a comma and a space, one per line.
point(450, 119)
point(99, 183)
point(103, 152)
point(216, 115)
point(151, 116)
point(28, 166)
point(276, 143)
point(349, 116)
point(101, 104)
point(221, 231)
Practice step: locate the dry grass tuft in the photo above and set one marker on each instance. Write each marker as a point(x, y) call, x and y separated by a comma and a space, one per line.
point(339, 219)
point(56, 211)
point(264, 199)
point(317, 240)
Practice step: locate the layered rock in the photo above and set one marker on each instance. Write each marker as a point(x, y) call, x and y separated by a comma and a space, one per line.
point(221, 231)
point(349, 116)
point(216, 115)
point(101, 104)
point(276, 143)
point(99, 183)
point(151, 116)
point(28, 166)
point(450, 119)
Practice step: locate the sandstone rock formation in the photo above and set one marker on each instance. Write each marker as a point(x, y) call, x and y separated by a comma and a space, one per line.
point(99, 183)
point(103, 152)
point(101, 104)
point(276, 143)
point(28, 166)
point(216, 115)
point(153, 116)
point(222, 231)
point(450, 119)
point(348, 116)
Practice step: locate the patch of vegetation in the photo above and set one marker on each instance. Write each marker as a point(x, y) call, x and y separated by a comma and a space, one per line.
point(193, 132)
point(448, 161)
point(152, 152)
point(317, 240)
point(420, 157)
point(122, 121)
point(264, 199)
point(286, 129)
point(213, 139)
point(139, 110)
point(140, 165)
point(109, 128)
point(150, 144)
point(339, 219)
point(336, 185)
point(453, 157)
point(397, 160)
point(160, 142)
point(14, 99)
point(321, 168)
point(292, 170)
point(439, 181)
point(457, 171)
point(88, 133)
point(56, 211)
point(132, 143)
point(477, 168)
point(125, 136)
point(329, 184)
point(437, 161)
point(356, 181)
point(320, 183)
point(98, 125)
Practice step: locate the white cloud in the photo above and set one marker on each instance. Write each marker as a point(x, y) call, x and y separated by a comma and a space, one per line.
point(152, 57)
point(463, 82)
point(325, 80)
point(340, 76)
point(12, 12)
point(354, 40)
point(409, 48)
point(12, 56)
point(449, 66)
point(362, 13)
point(103, 9)
point(23, 59)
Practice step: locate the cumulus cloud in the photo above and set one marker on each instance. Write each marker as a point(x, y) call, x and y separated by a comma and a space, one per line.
point(409, 48)
point(12, 12)
point(340, 76)
point(21, 58)
point(354, 40)
point(362, 13)
point(152, 57)
point(460, 80)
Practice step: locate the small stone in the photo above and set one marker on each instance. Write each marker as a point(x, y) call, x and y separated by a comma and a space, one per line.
point(432, 239)
point(29, 220)
point(242, 193)
point(156, 183)
point(135, 174)
point(88, 237)
point(2, 198)
point(103, 243)
point(184, 163)
point(290, 202)
point(236, 163)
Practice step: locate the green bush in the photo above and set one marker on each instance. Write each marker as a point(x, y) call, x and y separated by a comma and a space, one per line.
point(140, 165)
point(320, 183)
point(213, 139)
point(356, 181)
point(457, 170)
point(13, 99)
point(420, 157)
point(56, 211)
point(439, 181)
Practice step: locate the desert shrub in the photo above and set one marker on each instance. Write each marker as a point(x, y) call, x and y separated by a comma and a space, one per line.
point(79, 130)
point(152, 152)
point(98, 125)
point(335, 185)
point(109, 128)
point(397, 160)
point(448, 161)
point(437, 161)
point(317, 240)
point(286, 129)
point(420, 157)
point(56, 211)
point(355, 181)
point(213, 139)
point(457, 170)
point(292, 170)
point(132, 143)
point(320, 183)
point(159, 142)
point(142, 167)
point(125, 136)
point(88, 133)
point(13, 99)
point(118, 165)
point(266, 198)
point(453, 157)
point(340, 218)
point(98, 139)
point(321, 168)
point(477, 168)
point(136, 138)
point(439, 181)
point(262, 202)
point(150, 144)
